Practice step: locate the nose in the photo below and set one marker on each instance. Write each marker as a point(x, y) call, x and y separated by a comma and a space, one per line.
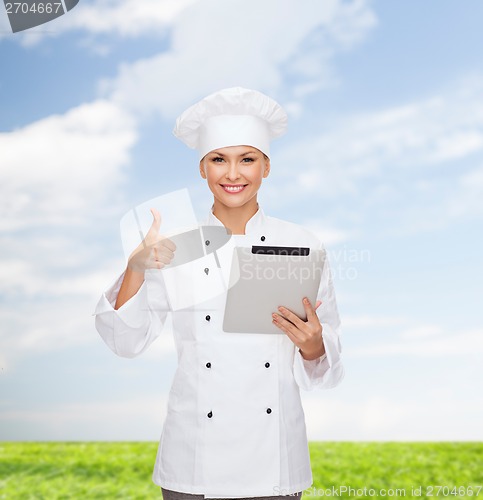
point(233, 172)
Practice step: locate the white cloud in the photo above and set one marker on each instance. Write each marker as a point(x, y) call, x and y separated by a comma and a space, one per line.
point(34, 327)
point(419, 332)
point(31, 330)
point(327, 234)
point(37, 271)
point(379, 417)
point(466, 199)
point(332, 418)
point(133, 418)
point(456, 145)
point(213, 48)
point(403, 336)
point(47, 309)
point(59, 170)
point(258, 38)
point(364, 146)
point(423, 342)
point(367, 321)
point(125, 18)
point(424, 152)
point(59, 177)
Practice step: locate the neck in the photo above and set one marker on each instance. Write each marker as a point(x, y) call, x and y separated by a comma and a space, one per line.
point(235, 218)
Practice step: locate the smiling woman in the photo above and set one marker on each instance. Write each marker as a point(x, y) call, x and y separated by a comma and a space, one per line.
point(235, 425)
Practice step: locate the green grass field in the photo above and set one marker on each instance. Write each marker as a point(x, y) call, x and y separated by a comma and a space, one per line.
point(123, 470)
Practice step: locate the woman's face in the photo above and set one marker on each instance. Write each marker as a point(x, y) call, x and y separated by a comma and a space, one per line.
point(235, 173)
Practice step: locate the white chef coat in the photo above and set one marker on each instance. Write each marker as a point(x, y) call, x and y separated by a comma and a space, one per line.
point(235, 426)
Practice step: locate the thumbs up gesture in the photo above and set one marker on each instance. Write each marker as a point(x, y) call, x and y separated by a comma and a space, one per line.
point(155, 251)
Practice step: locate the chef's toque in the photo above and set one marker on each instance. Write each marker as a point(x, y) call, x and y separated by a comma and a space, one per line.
point(231, 117)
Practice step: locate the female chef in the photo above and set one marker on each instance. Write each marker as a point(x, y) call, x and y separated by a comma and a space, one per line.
point(235, 427)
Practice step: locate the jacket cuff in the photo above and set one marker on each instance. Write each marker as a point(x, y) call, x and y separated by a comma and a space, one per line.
point(133, 312)
point(324, 372)
point(309, 373)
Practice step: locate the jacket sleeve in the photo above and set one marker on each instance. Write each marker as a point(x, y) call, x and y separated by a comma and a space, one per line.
point(326, 371)
point(129, 330)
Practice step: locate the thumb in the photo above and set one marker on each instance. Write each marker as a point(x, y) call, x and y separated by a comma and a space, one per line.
point(156, 221)
point(318, 304)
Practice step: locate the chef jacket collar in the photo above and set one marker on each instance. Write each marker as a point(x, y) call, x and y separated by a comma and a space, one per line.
point(254, 224)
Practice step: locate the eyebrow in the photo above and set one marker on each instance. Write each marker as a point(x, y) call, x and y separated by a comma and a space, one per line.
point(243, 154)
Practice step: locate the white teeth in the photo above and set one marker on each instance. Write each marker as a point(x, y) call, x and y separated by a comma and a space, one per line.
point(233, 189)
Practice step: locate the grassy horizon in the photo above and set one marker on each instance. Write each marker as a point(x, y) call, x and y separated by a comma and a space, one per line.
point(105, 469)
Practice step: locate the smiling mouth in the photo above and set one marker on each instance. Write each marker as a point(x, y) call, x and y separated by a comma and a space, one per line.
point(236, 188)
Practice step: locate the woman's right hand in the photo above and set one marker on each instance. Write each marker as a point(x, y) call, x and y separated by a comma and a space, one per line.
point(155, 251)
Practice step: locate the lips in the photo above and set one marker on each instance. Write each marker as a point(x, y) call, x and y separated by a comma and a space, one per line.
point(233, 188)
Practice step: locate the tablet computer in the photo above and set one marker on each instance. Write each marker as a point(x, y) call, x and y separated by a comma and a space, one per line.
point(264, 278)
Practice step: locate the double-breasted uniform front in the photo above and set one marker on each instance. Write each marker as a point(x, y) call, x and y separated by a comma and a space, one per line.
point(235, 426)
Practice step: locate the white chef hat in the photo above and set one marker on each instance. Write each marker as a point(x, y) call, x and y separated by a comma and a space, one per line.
point(231, 117)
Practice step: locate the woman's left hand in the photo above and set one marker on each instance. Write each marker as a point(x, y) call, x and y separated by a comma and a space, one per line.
point(306, 335)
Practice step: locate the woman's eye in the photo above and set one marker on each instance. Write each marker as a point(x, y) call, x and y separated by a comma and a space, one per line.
point(248, 160)
point(217, 159)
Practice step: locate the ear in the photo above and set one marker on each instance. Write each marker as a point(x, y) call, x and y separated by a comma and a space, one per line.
point(202, 169)
point(266, 170)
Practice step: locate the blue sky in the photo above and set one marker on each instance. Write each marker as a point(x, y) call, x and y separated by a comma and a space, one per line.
point(383, 159)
